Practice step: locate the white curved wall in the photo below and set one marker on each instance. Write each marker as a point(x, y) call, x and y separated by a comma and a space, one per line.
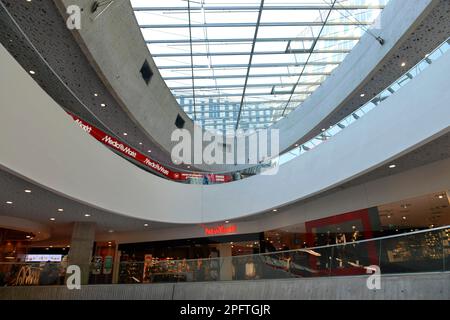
point(105, 39)
point(40, 142)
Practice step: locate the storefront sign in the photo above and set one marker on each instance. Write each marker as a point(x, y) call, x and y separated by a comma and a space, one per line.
point(43, 257)
point(132, 153)
point(219, 230)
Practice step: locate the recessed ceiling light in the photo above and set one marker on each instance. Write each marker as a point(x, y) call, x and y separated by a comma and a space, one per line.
point(403, 64)
point(440, 197)
point(389, 217)
point(140, 143)
point(188, 167)
point(125, 134)
point(109, 242)
point(95, 94)
point(149, 151)
point(28, 237)
point(275, 210)
point(9, 202)
point(60, 210)
point(362, 95)
point(87, 215)
point(32, 72)
point(145, 224)
point(323, 130)
point(51, 246)
point(102, 105)
point(52, 219)
point(227, 221)
point(296, 144)
point(110, 231)
point(392, 166)
point(404, 218)
point(27, 191)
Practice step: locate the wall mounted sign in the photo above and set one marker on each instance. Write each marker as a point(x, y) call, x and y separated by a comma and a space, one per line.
point(43, 257)
point(220, 230)
point(132, 153)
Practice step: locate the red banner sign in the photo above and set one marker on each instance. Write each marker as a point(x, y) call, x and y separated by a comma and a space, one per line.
point(132, 153)
point(222, 229)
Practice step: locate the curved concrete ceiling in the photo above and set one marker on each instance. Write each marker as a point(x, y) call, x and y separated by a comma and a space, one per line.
point(36, 35)
point(41, 232)
point(73, 164)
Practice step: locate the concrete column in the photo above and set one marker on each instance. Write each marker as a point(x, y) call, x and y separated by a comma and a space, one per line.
point(81, 246)
point(116, 266)
point(226, 267)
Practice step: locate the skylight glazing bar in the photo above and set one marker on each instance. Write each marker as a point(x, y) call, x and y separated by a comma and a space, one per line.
point(192, 58)
point(312, 50)
point(267, 8)
point(205, 54)
point(235, 76)
point(246, 25)
point(256, 65)
point(248, 40)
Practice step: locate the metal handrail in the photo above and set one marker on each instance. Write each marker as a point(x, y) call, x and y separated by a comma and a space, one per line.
point(313, 248)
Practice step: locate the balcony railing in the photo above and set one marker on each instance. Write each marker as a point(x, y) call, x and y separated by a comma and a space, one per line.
point(420, 251)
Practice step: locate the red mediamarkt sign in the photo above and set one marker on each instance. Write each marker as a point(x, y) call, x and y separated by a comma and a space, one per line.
point(132, 153)
point(222, 229)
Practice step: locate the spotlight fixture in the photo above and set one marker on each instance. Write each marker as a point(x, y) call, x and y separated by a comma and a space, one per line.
point(392, 166)
point(32, 72)
point(149, 151)
point(87, 215)
point(96, 94)
point(102, 105)
point(27, 191)
point(60, 210)
point(403, 64)
point(145, 224)
point(9, 202)
point(227, 221)
point(125, 134)
point(52, 219)
point(275, 210)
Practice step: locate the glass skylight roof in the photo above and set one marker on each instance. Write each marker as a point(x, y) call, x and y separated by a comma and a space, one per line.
point(248, 63)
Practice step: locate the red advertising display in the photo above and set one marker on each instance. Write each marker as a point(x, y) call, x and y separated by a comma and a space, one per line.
point(132, 153)
point(220, 230)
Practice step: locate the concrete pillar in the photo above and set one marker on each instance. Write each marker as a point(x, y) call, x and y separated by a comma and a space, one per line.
point(81, 246)
point(226, 267)
point(116, 267)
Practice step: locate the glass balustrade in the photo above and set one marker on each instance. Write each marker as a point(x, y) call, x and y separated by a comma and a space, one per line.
point(415, 252)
